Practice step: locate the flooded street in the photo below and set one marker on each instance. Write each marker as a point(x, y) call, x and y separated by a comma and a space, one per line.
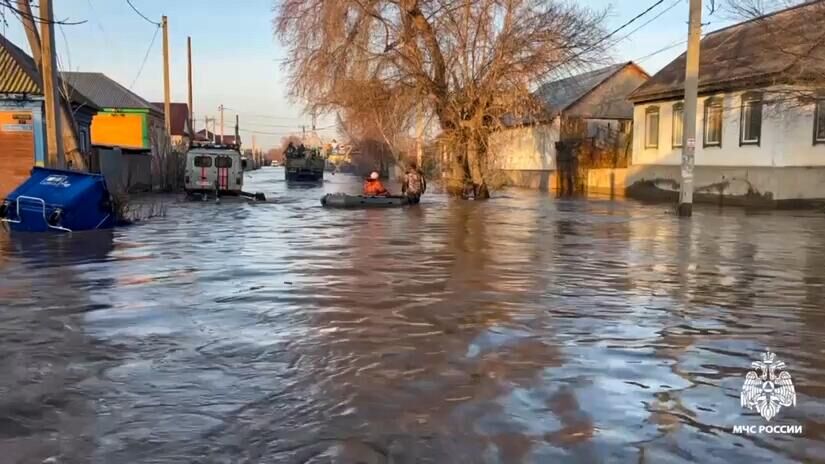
point(523, 329)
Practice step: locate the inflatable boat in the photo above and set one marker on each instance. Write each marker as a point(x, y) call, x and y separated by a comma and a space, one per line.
point(342, 200)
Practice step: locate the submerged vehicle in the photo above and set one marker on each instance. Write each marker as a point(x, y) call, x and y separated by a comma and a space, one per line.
point(213, 168)
point(343, 200)
point(303, 164)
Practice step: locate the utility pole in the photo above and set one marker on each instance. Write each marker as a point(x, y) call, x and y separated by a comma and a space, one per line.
point(54, 130)
point(167, 104)
point(691, 104)
point(237, 131)
point(220, 108)
point(189, 76)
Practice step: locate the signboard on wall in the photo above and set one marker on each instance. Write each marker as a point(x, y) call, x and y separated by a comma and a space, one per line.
point(16, 122)
point(125, 130)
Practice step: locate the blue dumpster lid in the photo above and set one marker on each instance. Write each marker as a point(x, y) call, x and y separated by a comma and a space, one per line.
point(58, 187)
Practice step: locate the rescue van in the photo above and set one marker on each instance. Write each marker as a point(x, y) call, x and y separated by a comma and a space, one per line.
point(213, 169)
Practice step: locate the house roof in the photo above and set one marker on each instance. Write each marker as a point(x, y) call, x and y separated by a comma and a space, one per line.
point(563, 93)
point(179, 117)
point(19, 74)
point(105, 92)
point(781, 47)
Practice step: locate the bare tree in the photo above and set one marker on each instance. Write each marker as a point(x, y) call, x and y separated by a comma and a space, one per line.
point(471, 62)
point(376, 119)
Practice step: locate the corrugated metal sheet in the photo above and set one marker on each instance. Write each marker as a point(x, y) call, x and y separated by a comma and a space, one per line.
point(18, 73)
point(104, 92)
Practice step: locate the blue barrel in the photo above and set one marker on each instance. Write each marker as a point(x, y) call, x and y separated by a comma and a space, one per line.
point(58, 200)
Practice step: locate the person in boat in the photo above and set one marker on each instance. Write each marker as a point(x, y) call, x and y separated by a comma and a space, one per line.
point(414, 185)
point(373, 186)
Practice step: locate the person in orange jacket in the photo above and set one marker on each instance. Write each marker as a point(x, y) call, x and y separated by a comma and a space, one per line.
point(373, 187)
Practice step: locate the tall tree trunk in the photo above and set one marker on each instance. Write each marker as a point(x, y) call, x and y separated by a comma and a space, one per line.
point(476, 162)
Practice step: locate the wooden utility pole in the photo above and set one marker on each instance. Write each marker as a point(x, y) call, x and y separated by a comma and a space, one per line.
point(68, 126)
point(167, 103)
point(48, 59)
point(220, 108)
point(691, 104)
point(189, 76)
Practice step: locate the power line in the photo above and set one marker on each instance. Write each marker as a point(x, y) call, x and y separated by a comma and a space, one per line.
point(21, 14)
point(619, 29)
point(672, 6)
point(661, 50)
point(145, 57)
point(141, 14)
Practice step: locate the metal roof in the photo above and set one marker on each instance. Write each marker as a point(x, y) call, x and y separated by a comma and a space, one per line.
point(18, 72)
point(559, 95)
point(19, 75)
point(105, 92)
point(782, 47)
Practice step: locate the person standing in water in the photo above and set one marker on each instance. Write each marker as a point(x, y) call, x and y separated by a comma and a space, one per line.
point(414, 184)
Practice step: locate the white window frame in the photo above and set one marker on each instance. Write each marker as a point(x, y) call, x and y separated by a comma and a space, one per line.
point(754, 99)
point(679, 108)
point(819, 113)
point(713, 103)
point(650, 111)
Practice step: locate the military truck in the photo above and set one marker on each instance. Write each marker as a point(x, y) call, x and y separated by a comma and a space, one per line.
point(303, 164)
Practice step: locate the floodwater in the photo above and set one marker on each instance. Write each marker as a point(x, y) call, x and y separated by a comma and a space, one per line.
point(523, 329)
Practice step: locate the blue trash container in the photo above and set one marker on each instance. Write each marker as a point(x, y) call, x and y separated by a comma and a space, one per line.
point(58, 200)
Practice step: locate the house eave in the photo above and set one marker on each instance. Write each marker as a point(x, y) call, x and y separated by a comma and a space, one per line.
point(712, 88)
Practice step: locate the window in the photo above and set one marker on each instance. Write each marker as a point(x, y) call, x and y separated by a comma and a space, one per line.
point(652, 127)
point(678, 124)
point(713, 122)
point(203, 161)
point(83, 139)
point(819, 122)
point(223, 162)
point(750, 129)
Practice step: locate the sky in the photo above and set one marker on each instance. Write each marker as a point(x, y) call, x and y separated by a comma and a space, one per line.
point(236, 58)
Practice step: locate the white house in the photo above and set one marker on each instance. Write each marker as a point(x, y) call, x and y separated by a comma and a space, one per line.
point(585, 105)
point(760, 121)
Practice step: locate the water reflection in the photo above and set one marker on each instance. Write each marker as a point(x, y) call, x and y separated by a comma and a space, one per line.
point(524, 329)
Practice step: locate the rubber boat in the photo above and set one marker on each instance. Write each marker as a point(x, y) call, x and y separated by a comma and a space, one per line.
point(342, 200)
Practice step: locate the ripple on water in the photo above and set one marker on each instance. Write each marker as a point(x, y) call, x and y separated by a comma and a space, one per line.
point(524, 329)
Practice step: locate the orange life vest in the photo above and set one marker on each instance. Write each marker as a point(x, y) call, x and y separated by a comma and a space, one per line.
point(374, 188)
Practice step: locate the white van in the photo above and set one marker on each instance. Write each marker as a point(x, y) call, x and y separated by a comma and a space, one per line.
point(214, 169)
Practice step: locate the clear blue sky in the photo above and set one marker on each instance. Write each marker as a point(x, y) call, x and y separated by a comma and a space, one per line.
point(236, 57)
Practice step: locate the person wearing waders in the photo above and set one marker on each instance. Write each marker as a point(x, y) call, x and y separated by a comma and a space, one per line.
point(414, 184)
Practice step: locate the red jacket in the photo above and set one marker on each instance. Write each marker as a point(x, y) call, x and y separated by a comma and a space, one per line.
point(374, 188)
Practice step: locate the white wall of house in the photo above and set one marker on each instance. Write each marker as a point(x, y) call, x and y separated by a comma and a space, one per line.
point(530, 148)
point(786, 139)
